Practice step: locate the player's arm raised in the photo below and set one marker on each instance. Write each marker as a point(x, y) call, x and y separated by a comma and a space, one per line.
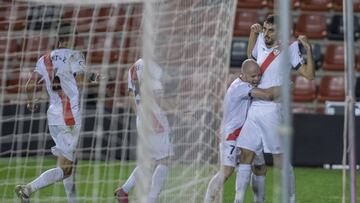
point(269, 94)
point(30, 88)
point(254, 33)
point(307, 69)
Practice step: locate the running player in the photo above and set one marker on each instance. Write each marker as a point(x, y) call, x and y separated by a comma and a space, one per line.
point(158, 144)
point(61, 71)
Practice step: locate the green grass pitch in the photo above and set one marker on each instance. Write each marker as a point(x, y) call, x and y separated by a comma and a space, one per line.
point(313, 185)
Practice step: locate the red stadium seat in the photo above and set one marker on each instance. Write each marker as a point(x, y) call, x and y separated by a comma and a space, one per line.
point(5, 48)
point(37, 45)
point(251, 3)
point(332, 88)
point(131, 50)
point(81, 17)
point(312, 25)
point(338, 5)
point(243, 21)
point(316, 5)
point(304, 89)
point(97, 48)
point(16, 79)
point(334, 58)
point(13, 16)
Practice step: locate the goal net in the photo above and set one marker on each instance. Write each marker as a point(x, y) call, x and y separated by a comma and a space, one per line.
point(188, 41)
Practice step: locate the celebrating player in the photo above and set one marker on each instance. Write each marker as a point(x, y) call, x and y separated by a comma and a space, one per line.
point(158, 136)
point(237, 101)
point(61, 71)
point(259, 131)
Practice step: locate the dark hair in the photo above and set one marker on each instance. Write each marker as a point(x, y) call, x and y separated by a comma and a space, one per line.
point(272, 19)
point(65, 31)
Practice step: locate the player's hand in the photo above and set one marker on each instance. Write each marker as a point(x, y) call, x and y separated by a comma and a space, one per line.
point(33, 106)
point(95, 78)
point(256, 28)
point(304, 41)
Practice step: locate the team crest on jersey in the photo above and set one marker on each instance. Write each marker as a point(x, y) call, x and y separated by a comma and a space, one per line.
point(276, 51)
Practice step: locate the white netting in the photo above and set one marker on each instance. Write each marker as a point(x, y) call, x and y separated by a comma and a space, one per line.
point(189, 40)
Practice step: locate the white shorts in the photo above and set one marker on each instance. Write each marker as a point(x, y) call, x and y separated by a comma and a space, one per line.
point(159, 146)
point(66, 140)
point(259, 132)
point(228, 153)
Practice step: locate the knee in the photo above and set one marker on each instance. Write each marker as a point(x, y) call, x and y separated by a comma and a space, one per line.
point(246, 156)
point(228, 172)
point(67, 169)
point(259, 170)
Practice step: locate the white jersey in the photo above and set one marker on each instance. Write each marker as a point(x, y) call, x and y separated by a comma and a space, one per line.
point(160, 123)
point(273, 75)
point(64, 106)
point(236, 104)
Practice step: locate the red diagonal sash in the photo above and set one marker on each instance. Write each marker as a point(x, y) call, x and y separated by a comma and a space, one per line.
point(270, 58)
point(68, 116)
point(234, 135)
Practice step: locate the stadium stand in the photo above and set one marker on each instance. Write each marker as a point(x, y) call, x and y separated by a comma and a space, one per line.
point(332, 88)
point(238, 52)
point(336, 28)
point(96, 51)
point(334, 58)
point(36, 45)
point(304, 89)
point(17, 14)
point(316, 5)
point(312, 25)
point(243, 21)
point(338, 5)
point(252, 3)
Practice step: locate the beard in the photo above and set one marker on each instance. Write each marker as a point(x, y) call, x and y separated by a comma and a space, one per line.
point(269, 42)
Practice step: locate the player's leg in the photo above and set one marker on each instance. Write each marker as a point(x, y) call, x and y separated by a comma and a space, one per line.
point(121, 193)
point(228, 159)
point(45, 179)
point(217, 182)
point(258, 178)
point(158, 179)
point(72, 134)
point(243, 174)
point(69, 185)
point(65, 144)
point(277, 158)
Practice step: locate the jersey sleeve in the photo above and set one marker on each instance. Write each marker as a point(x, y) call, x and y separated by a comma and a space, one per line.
point(130, 85)
point(254, 52)
point(296, 59)
point(78, 62)
point(244, 90)
point(40, 70)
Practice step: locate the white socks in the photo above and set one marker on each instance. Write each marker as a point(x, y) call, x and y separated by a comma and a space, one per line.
point(69, 185)
point(130, 182)
point(242, 181)
point(47, 178)
point(215, 184)
point(258, 187)
point(158, 180)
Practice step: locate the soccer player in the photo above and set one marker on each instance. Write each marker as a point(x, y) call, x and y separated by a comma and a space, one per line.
point(237, 101)
point(159, 142)
point(61, 71)
point(259, 132)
